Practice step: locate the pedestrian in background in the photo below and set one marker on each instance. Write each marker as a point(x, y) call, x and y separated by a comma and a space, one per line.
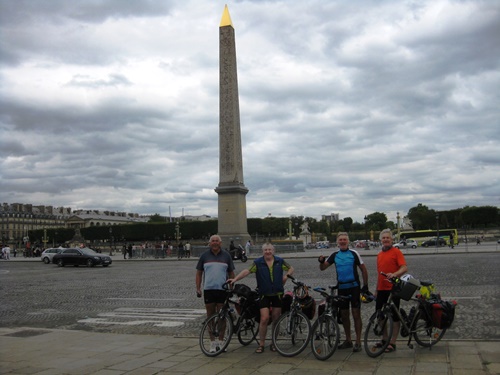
point(248, 245)
point(6, 252)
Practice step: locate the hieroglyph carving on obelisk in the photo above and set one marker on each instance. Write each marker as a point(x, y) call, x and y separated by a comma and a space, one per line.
point(232, 212)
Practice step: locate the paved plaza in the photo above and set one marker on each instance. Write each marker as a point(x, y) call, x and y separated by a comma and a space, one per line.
point(125, 320)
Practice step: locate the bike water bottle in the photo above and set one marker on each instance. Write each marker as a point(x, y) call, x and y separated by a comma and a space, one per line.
point(411, 315)
point(404, 332)
point(233, 314)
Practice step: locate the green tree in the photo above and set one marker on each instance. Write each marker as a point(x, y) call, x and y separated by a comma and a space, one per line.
point(480, 216)
point(422, 218)
point(376, 221)
point(156, 218)
point(347, 223)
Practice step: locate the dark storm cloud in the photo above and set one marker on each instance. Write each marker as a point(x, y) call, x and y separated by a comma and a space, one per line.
point(348, 107)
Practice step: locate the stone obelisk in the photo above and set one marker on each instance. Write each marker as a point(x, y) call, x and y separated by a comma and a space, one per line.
point(232, 215)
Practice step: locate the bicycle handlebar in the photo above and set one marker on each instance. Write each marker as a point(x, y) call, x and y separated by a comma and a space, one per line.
point(323, 292)
point(296, 282)
point(393, 279)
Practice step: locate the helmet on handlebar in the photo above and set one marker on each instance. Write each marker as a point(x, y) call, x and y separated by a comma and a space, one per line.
point(302, 292)
point(367, 297)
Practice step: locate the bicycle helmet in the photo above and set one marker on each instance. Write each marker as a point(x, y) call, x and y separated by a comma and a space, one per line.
point(367, 297)
point(302, 292)
point(406, 277)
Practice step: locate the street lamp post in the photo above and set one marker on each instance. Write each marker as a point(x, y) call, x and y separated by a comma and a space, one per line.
point(399, 226)
point(367, 247)
point(45, 239)
point(437, 231)
point(110, 241)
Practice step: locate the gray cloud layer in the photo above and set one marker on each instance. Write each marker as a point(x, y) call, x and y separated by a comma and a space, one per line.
point(349, 107)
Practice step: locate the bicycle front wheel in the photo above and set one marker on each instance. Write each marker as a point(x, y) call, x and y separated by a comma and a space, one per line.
point(378, 333)
point(247, 331)
point(325, 337)
point(425, 334)
point(291, 333)
point(216, 334)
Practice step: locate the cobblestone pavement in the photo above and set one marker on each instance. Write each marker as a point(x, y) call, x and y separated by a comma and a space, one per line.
point(158, 296)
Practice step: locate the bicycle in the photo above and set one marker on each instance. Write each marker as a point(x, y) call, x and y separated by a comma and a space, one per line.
point(325, 335)
point(418, 324)
point(292, 331)
point(217, 330)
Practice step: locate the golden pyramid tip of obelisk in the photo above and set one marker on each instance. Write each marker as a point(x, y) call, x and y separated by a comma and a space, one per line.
point(226, 18)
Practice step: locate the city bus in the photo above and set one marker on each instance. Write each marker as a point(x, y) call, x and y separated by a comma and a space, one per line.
point(424, 235)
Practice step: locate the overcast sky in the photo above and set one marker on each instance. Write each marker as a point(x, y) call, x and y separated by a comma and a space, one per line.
point(347, 107)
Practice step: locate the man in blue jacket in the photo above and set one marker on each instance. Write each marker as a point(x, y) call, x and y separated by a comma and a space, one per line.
point(271, 272)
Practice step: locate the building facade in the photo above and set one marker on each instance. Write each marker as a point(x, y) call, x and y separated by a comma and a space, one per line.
point(17, 220)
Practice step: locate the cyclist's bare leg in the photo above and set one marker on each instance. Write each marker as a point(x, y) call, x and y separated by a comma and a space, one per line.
point(212, 308)
point(264, 321)
point(276, 313)
point(395, 332)
point(346, 322)
point(358, 324)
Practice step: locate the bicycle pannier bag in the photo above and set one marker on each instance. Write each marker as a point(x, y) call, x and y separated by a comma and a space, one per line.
point(443, 314)
point(308, 306)
point(286, 302)
point(242, 290)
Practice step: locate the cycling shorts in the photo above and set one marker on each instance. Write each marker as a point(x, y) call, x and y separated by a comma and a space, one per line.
point(271, 301)
point(354, 301)
point(214, 296)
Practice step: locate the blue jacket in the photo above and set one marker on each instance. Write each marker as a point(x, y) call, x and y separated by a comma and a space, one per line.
point(268, 287)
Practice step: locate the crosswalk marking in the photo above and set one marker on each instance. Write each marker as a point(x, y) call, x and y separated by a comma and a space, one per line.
point(158, 317)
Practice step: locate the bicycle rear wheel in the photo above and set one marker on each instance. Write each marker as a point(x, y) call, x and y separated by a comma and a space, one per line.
point(216, 334)
point(291, 333)
point(379, 326)
point(325, 337)
point(247, 331)
point(424, 333)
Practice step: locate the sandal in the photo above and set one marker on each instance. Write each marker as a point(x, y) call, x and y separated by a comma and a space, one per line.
point(379, 344)
point(345, 345)
point(390, 348)
point(272, 348)
point(260, 349)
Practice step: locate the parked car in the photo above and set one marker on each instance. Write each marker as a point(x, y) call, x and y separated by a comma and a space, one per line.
point(81, 257)
point(432, 242)
point(48, 254)
point(406, 243)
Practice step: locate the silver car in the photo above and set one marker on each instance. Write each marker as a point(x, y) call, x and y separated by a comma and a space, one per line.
point(48, 254)
point(408, 243)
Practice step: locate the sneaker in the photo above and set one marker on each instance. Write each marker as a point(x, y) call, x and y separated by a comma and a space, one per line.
point(345, 345)
point(356, 348)
point(213, 346)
